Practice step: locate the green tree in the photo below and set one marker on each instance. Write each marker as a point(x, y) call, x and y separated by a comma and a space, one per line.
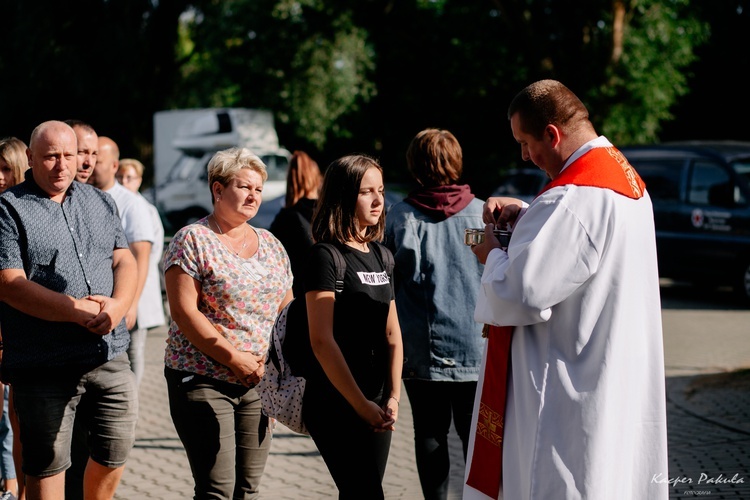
point(307, 61)
point(333, 70)
point(648, 70)
point(626, 59)
point(365, 76)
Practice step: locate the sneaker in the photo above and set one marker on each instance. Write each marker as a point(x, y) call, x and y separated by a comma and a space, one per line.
point(8, 495)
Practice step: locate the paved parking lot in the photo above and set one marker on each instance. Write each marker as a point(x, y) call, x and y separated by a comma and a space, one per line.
point(708, 420)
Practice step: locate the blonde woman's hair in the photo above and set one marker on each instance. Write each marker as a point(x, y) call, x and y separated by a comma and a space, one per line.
point(132, 162)
point(226, 164)
point(13, 151)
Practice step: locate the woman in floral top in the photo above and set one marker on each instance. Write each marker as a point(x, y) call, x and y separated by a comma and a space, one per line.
point(226, 282)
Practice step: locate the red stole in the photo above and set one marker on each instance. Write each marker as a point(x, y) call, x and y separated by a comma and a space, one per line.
point(605, 168)
point(486, 469)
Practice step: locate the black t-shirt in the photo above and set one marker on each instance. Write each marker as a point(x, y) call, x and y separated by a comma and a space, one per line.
point(292, 227)
point(360, 313)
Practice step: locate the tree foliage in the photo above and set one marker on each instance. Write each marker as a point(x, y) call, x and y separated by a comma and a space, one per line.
point(370, 75)
point(307, 61)
point(642, 85)
point(365, 76)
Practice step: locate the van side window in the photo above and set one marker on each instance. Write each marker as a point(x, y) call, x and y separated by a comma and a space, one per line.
point(275, 167)
point(662, 178)
point(204, 169)
point(710, 185)
point(186, 167)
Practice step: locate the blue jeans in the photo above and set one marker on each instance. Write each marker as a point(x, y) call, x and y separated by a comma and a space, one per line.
point(137, 353)
point(106, 398)
point(7, 468)
point(225, 435)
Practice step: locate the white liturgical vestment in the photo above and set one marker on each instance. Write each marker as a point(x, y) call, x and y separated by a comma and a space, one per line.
point(585, 413)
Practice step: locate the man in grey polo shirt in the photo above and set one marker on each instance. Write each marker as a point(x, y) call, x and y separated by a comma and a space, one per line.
point(67, 279)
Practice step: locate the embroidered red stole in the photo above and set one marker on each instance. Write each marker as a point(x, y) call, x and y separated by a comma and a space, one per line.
point(603, 168)
point(599, 167)
point(486, 469)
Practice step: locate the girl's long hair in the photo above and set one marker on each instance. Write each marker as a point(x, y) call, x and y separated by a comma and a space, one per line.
point(335, 218)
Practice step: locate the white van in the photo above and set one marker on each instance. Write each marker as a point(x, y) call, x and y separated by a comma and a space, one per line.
point(189, 139)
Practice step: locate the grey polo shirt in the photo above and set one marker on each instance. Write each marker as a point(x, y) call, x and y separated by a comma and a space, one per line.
point(67, 248)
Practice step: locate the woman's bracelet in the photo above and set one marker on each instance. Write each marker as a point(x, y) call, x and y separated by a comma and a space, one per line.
point(396, 400)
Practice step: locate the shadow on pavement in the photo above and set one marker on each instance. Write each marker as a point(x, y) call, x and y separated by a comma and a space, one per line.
point(680, 295)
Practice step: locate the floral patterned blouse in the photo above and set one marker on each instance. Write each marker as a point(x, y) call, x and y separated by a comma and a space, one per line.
point(240, 297)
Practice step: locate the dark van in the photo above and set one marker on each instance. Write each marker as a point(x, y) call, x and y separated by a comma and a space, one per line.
point(701, 196)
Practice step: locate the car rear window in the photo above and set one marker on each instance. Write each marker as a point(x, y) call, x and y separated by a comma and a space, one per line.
point(743, 169)
point(710, 185)
point(662, 178)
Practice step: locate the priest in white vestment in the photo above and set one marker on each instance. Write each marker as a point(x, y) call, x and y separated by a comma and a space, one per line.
point(585, 413)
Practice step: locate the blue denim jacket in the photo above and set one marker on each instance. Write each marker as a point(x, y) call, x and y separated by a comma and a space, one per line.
point(437, 280)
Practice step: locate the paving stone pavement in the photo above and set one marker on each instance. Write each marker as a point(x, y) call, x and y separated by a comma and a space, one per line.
point(708, 423)
point(158, 467)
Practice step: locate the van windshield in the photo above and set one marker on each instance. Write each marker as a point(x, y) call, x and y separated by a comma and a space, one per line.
point(188, 167)
point(276, 166)
point(193, 166)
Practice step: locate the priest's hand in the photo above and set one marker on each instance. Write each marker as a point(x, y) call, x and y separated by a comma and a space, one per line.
point(501, 210)
point(490, 243)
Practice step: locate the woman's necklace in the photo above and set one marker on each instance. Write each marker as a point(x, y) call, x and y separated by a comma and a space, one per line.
point(229, 240)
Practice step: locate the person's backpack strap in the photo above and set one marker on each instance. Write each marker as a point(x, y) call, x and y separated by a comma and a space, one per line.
point(387, 257)
point(296, 348)
point(339, 264)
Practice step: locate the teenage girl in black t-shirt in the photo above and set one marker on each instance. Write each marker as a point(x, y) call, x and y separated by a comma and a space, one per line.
point(351, 405)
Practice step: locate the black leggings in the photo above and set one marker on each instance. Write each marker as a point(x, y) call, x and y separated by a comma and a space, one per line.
point(355, 455)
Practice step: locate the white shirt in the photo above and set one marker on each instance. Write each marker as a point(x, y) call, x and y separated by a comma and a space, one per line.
point(141, 222)
point(151, 303)
point(134, 214)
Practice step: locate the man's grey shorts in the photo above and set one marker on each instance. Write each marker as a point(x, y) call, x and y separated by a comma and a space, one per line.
point(105, 397)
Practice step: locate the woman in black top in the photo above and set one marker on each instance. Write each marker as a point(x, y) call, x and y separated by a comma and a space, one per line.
point(292, 224)
point(351, 400)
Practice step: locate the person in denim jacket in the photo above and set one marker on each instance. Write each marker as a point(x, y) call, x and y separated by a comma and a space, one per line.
point(436, 286)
